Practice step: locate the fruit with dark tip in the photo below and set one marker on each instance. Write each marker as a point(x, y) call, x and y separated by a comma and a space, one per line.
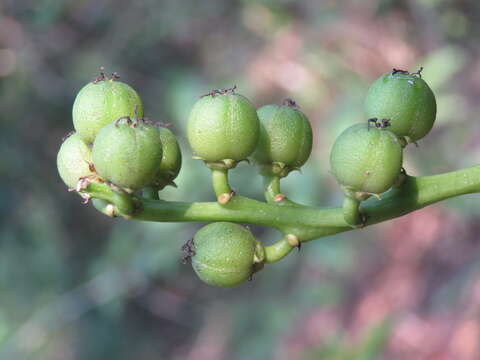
point(285, 137)
point(223, 126)
point(102, 102)
point(127, 154)
point(405, 99)
point(366, 160)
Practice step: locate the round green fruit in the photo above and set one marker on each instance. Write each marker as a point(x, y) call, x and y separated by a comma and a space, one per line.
point(102, 102)
point(74, 160)
point(171, 161)
point(223, 254)
point(223, 125)
point(366, 159)
point(406, 100)
point(285, 137)
point(127, 154)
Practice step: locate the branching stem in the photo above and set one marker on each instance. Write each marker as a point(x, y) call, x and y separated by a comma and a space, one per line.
point(277, 251)
point(273, 194)
point(306, 223)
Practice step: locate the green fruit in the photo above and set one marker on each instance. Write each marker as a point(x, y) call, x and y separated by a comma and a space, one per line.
point(73, 160)
point(102, 102)
point(223, 126)
point(127, 154)
point(171, 158)
point(366, 159)
point(285, 137)
point(406, 100)
point(223, 254)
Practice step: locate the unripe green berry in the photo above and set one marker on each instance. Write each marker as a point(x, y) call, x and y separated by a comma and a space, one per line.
point(285, 137)
point(102, 102)
point(171, 161)
point(223, 254)
point(223, 126)
point(366, 159)
point(74, 160)
point(406, 100)
point(128, 154)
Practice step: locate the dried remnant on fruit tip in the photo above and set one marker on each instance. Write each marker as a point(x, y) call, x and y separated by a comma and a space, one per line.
point(189, 249)
point(290, 103)
point(223, 127)
point(380, 124)
point(398, 71)
point(366, 160)
point(100, 103)
point(103, 77)
point(220, 91)
point(286, 138)
point(417, 73)
point(404, 98)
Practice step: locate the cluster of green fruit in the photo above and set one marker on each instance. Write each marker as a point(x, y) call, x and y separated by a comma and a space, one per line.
point(224, 128)
point(115, 145)
point(366, 158)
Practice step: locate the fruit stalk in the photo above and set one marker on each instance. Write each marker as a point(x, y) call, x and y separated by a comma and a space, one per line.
point(122, 202)
point(278, 250)
point(351, 211)
point(272, 193)
point(220, 185)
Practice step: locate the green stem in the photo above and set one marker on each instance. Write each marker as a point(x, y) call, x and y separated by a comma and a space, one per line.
point(272, 187)
point(122, 202)
point(273, 194)
point(309, 223)
point(277, 251)
point(220, 182)
point(351, 211)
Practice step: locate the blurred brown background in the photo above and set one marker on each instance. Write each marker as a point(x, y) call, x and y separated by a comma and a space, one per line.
point(76, 285)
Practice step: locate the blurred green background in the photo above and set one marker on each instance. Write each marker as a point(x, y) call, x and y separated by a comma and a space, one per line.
point(77, 285)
